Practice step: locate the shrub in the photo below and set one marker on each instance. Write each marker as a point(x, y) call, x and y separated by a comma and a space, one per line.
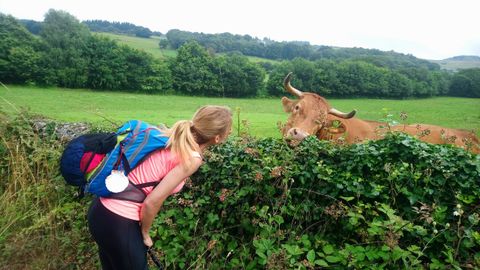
point(393, 203)
point(43, 224)
point(396, 203)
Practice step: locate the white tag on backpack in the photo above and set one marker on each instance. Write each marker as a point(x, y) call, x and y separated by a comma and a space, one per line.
point(116, 182)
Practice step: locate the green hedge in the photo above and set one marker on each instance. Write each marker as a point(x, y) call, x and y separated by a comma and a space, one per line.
point(394, 203)
point(397, 203)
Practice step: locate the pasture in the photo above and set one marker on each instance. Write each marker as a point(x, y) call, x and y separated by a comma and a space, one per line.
point(148, 45)
point(261, 115)
point(455, 65)
point(366, 192)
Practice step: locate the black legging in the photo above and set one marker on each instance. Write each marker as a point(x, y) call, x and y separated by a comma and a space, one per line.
point(119, 239)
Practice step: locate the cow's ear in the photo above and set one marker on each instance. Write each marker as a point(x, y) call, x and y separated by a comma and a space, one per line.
point(287, 104)
point(335, 127)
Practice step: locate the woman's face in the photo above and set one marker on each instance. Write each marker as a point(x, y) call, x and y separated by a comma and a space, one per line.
point(223, 137)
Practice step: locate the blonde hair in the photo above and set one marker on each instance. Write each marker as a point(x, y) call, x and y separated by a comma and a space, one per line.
point(209, 121)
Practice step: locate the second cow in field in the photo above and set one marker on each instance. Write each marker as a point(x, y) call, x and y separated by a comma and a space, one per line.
point(311, 114)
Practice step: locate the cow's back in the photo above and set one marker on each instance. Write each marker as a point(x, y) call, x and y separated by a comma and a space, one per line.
point(441, 135)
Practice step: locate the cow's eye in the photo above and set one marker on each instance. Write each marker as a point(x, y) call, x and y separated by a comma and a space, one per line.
point(297, 108)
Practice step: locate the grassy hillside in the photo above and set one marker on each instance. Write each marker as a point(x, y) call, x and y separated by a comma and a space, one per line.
point(459, 62)
point(262, 114)
point(149, 45)
point(453, 65)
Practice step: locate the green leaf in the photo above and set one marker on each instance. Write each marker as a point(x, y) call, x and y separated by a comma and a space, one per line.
point(232, 245)
point(398, 253)
point(436, 264)
point(278, 219)
point(320, 254)
point(328, 249)
point(321, 263)
point(212, 218)
point(311, 255)
point(293, 250)
point(261, 254)
point(347, 198)
point(332, 259)
point(473, 218)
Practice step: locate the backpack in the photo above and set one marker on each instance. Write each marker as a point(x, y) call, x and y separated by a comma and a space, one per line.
point(90, 159)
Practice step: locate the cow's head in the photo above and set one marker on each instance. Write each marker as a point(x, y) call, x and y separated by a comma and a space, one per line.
point(308, 114)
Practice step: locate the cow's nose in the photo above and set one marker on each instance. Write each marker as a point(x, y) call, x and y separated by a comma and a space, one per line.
point(297, 133)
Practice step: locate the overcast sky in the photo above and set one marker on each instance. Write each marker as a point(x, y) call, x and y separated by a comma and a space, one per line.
point(429, 29)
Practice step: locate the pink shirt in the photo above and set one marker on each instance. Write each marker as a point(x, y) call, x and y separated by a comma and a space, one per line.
point(155, 167)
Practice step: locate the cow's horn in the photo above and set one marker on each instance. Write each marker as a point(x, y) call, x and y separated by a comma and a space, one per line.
point(342, 114)
point(290, 88)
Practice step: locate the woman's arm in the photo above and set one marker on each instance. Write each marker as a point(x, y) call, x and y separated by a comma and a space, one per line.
point(155, 199)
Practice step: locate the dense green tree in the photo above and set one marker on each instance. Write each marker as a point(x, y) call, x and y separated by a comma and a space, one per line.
point(239, 77)
point(142, 71)
point(353, 78)
point(143, 32)
point(159, 79)
point(19, 52)
point(363, 79)
point(306, 72)
point(441, 81)
point(466, 83)
point(309, 76)
point(105, 69)
point(123, 68)
point(327, 77)
point(24, 64)
point(247, 45)
point(461, 85)
point(163, 43)
point(267, 66)
point(67, 54)
point(399, 85)
point(177, 38)
point(32, 26)
point(193, 72)
point(118, 28)
point(67, 39)
point(276, 76)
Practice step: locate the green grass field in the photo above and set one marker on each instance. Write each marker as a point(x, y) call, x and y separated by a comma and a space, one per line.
point(262, 115)
point(149, 45)
point(455, 65)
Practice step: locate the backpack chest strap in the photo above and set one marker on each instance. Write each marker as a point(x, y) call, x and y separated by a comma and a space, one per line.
point(148, 184)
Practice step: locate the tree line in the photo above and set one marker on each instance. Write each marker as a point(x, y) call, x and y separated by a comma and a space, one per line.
point(266, 48)
point(358, 78)
point(120, 28)
point(65, 53)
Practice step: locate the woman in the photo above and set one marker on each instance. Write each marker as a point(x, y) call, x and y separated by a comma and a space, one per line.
point(121, 228)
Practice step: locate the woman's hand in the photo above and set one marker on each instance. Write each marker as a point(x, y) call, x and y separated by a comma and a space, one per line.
point(153, 202)
point(147, 240)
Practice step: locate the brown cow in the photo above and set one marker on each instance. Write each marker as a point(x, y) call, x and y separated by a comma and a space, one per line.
point(312, 115)
point(440, 135)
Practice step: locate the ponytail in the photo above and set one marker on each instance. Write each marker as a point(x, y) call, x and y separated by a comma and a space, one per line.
point(181, 140)
point(186, 136)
